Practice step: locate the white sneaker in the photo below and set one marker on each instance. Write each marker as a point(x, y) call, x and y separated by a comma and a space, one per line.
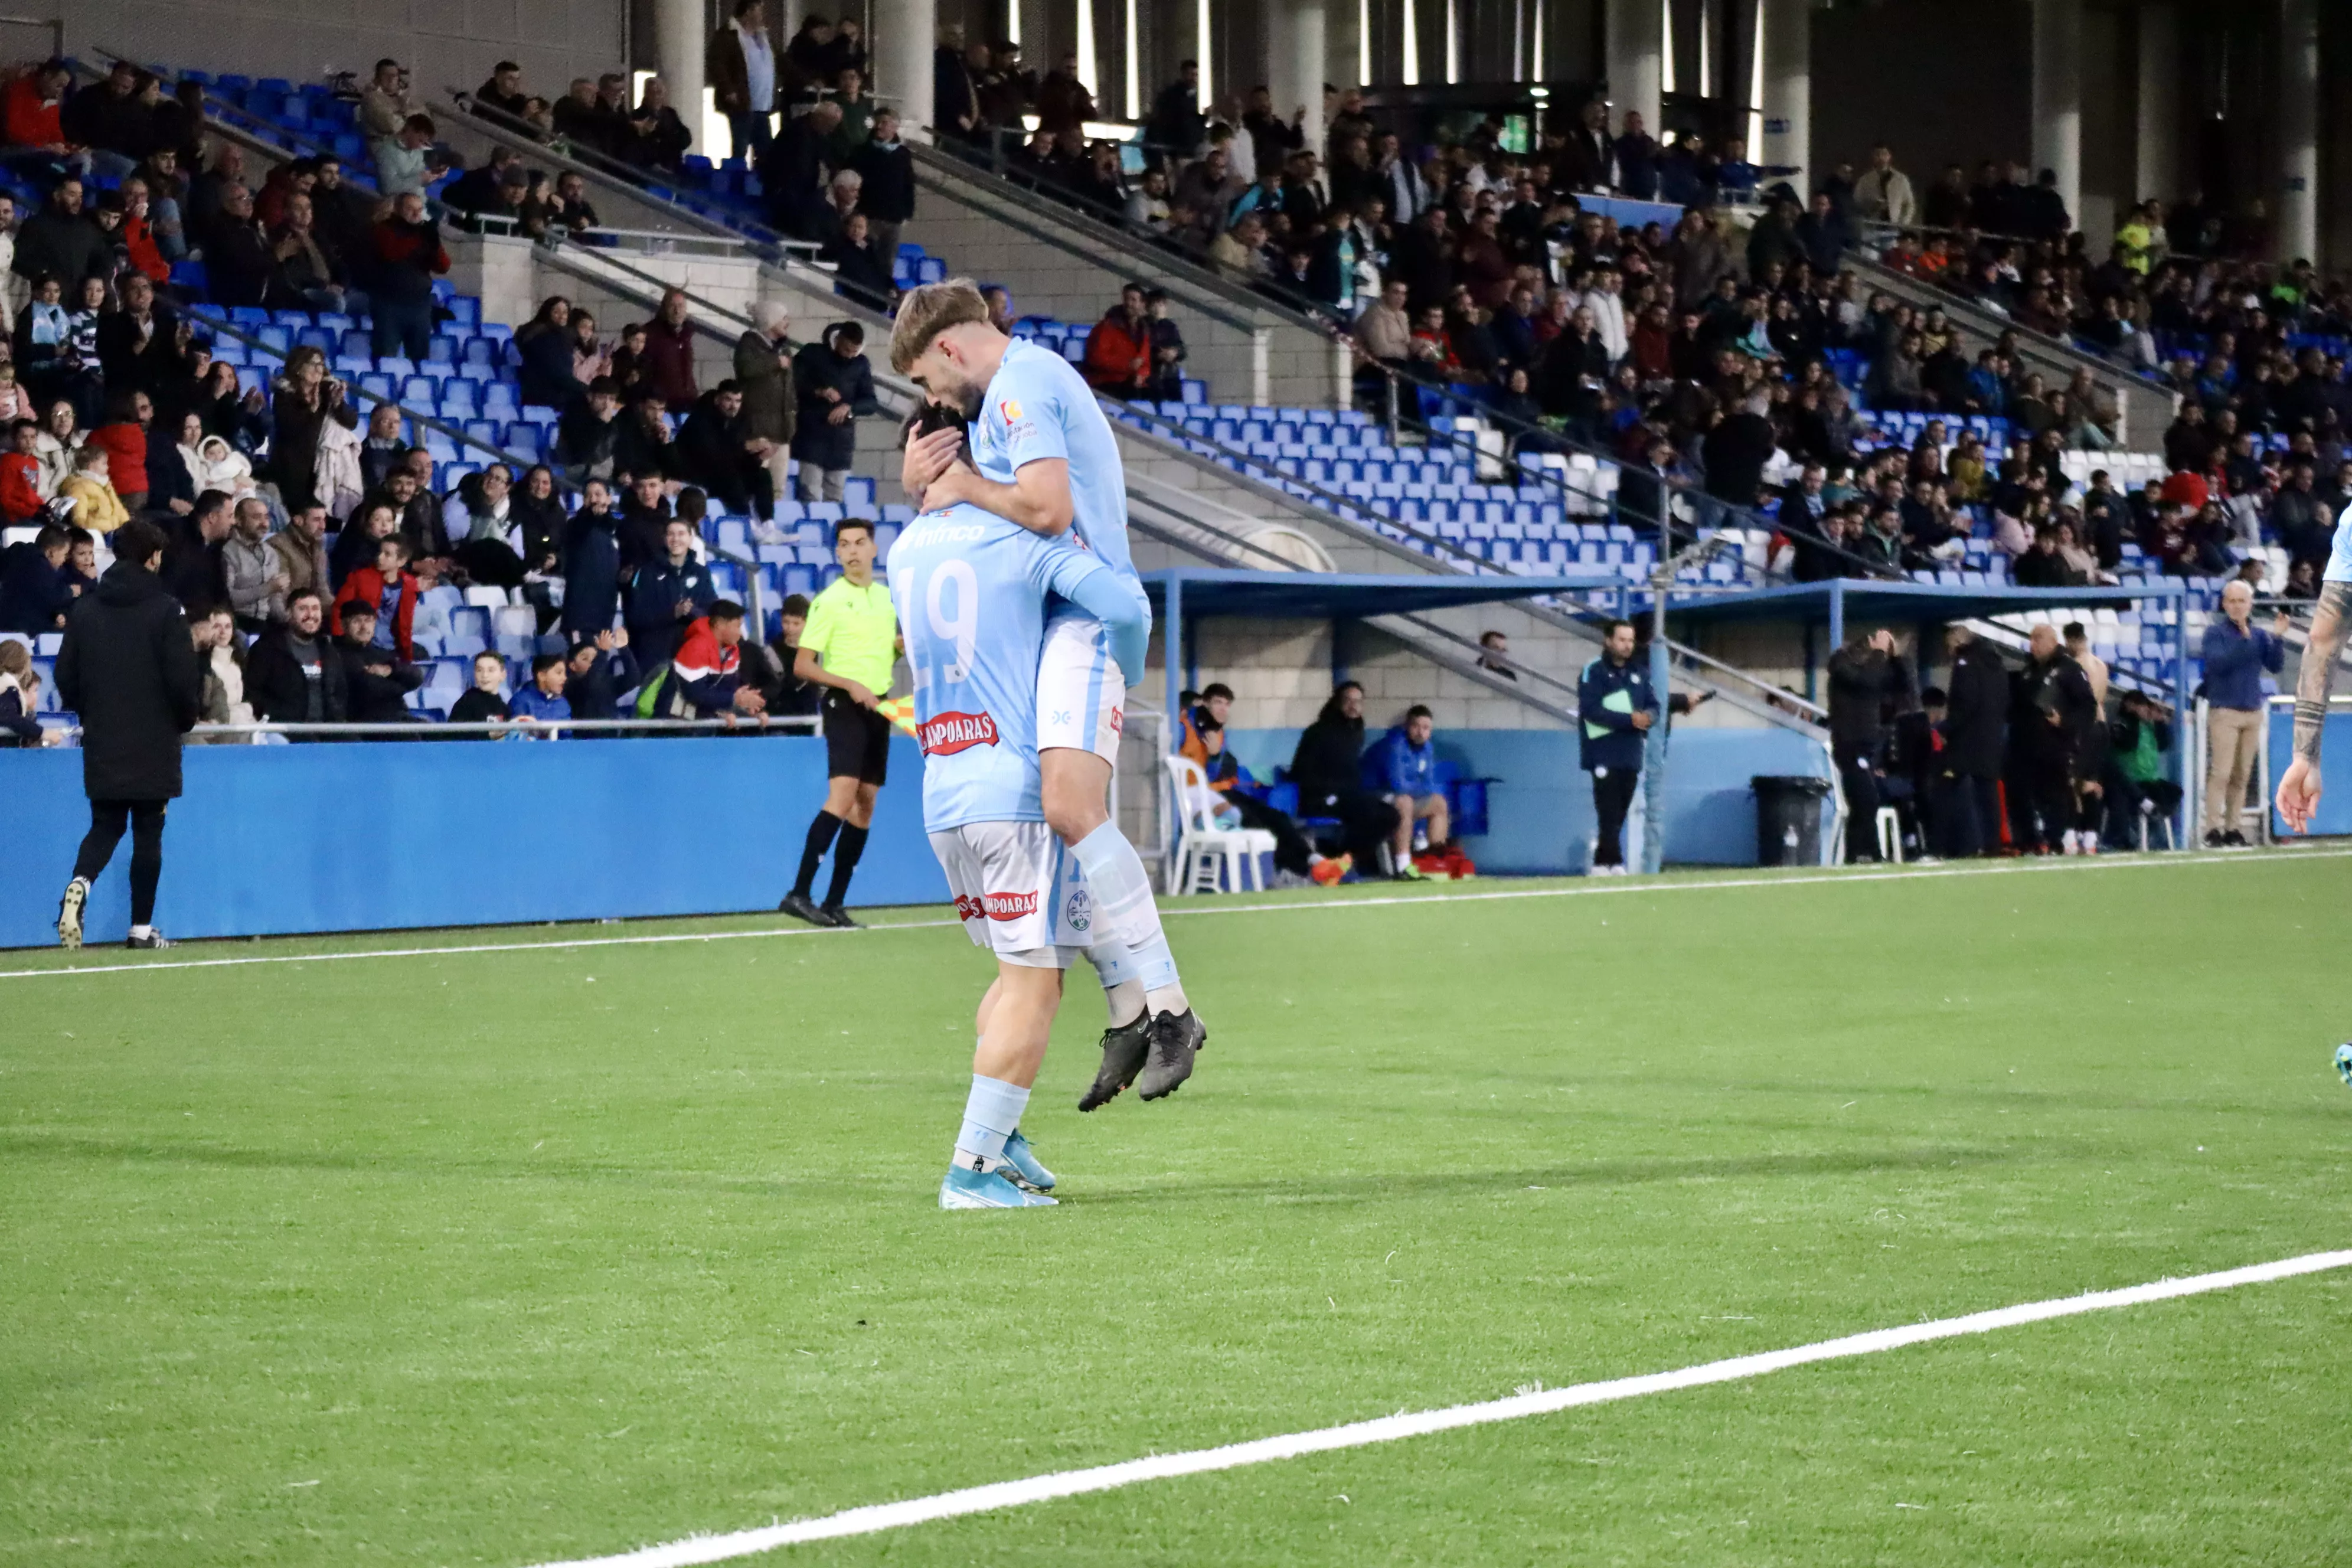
point(2071, 843)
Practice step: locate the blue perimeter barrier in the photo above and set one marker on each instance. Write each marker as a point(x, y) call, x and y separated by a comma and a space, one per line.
point(269, 840)
point(1540, 815)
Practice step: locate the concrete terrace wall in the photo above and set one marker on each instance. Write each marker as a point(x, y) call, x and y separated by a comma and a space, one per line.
point(993, 241)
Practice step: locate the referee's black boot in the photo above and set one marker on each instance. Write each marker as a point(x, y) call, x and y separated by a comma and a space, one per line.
point(805, 907)
point(834, 915)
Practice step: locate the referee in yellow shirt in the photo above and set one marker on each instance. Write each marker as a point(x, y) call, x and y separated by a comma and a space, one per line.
point(849, 646)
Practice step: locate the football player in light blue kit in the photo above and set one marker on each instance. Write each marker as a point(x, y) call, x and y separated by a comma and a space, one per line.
point(2331, 618)
point(971, 589)
point(1045, 457)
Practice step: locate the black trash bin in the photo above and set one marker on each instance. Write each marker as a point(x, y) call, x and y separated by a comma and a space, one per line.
point(1789, 819)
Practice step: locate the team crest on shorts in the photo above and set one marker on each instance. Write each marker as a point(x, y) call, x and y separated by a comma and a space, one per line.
point(1078, 913)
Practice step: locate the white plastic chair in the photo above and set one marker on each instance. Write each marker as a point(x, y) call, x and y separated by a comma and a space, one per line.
point(1207, 855)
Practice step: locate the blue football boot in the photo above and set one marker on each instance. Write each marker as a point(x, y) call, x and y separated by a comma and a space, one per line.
point(1022, 1164)
point(963, 1188)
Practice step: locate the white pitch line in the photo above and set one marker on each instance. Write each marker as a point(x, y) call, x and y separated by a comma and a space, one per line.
point(1420, 1423)
point(1581, 890)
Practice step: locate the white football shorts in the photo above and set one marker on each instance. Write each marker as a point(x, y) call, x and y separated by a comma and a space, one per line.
point(1017, 891)
point(1081, 696)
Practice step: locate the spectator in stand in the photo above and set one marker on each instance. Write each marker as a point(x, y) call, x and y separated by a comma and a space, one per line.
point(861, 272)
point(252, 571)
point(293, 673)
point(306, 398)
point(407, 256)
point(668, 594)
point(740, 62)
point(793, 174)
point(642, 447)
point(503, 91)
point(1404, 769)
point(1177, 126)
point(579, 119)
point(32, 119)
point(1064, 101)
point(123, 437)
point(545, 346)
point(644, 521)
point(388, 590)
point(542, 699)
point(109, 120)
point(834, 384)
point(596, 674)
point(34, 593)
point(717, 450)
point(764, 370)
point(385, 103)
point(669, 352)
point(376, 680)
point(1118, 349)
point(407, 162)
point(1867, 677)
point(62, 241)
point(592, 565)
point(1328, 767)
point(2050, 706)
point(21, 501)
point(301, 551)
point(96, 505)
point(2236, 654)
point(484, 701)
point(20, 694)
point(587, 435)
point(887, 195)
point(1618, 708)
point(1882, 194)
point(128, 669)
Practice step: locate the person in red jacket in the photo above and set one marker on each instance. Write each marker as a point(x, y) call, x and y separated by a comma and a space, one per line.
point(20, 470)
point(31, 114)
point(1119, 351)
point(669, 359)
point(389, 589)
point(123, 437)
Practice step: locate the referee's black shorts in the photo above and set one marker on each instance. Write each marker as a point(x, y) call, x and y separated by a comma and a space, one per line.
point(856, 740)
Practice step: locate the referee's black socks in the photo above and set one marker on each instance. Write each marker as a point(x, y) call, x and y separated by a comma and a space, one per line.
point(819, 839)
point(847, 849)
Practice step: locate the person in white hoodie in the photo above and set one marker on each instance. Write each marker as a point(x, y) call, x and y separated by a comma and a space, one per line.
point(54, 448)
point(1608, 308)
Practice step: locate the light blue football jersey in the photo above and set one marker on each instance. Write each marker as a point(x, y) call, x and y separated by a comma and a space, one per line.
point(1038, 406)
point(2340, 557)
point(972, 590)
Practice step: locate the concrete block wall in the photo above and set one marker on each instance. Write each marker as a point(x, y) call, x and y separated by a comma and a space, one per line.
point(987, 241)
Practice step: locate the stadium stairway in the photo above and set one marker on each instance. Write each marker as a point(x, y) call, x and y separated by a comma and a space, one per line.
point(2145, 407)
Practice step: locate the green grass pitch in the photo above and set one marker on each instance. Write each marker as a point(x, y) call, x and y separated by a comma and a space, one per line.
point(506, 1257)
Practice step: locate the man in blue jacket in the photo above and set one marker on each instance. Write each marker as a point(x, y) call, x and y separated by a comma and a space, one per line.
point(1617, 707)
point(1404, 768)
point(2236, 654)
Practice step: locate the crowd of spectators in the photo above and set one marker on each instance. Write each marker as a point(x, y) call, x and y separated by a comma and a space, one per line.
point(311, 551)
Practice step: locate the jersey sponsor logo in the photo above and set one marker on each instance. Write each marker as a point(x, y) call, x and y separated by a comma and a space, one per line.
point(1003, 906)
point(949, 733)
point(1010, 408)
point(1118, 721)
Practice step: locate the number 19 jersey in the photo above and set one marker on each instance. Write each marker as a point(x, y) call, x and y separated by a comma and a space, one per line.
point(972, 591)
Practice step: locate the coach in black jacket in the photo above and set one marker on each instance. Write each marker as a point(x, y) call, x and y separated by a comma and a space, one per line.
point(1865, 675)
point(1967, 813)
point(130, 670)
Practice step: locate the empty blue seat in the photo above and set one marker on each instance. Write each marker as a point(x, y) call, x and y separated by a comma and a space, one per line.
point(416, 389)
point(248, 316)
point(441, 349)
